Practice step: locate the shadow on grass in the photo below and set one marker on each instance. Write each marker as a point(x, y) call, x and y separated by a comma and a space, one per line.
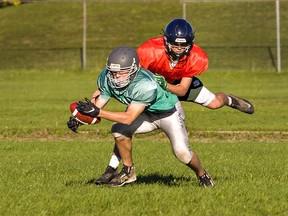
point(154, 178)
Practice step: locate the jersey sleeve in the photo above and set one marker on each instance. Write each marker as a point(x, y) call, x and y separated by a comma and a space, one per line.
point(197, 62)
point(102, 83)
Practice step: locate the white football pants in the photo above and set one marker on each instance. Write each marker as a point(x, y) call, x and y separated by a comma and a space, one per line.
point(170, 122)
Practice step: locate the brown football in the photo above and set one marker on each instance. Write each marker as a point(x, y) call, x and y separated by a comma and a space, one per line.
point(84, 119)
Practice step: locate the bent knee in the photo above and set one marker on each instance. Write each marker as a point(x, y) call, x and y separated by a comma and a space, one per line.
point(214, 105)
point(219, 101)
point(183, 156)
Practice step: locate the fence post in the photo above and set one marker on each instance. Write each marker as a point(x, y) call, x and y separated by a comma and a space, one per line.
point(278, 36)
point(84, 35)
point(184, 8)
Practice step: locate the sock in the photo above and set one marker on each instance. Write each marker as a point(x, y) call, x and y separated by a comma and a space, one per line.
point(229, 101)
point(114, 161)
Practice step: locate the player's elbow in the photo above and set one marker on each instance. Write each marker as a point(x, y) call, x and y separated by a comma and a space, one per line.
point(178, 91)
point(181, 94)
point(128, 120)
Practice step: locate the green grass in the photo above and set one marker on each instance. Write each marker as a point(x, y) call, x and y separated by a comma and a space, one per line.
point(53, 178)
point(32, 98)
point(45, 169)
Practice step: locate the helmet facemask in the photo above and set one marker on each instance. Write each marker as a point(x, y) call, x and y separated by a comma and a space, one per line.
point(175, 55)
point(121, 82)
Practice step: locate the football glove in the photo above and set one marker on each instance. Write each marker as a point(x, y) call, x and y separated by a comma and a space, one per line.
point(161, 81)
point(73, 124)
point(88, 108)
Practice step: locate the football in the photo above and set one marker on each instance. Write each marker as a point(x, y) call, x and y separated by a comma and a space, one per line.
point(84, 119)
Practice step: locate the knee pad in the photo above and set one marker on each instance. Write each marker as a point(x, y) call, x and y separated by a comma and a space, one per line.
point(115, 130)
point(205, 96)
point(119, 130)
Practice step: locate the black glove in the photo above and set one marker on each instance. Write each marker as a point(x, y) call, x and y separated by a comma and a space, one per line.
point(88, 108)
point(73, 124)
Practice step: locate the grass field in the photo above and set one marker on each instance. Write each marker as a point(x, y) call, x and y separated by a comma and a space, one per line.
point(45, 169)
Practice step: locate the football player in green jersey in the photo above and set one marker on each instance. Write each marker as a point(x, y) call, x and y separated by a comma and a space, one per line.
point(149, 107)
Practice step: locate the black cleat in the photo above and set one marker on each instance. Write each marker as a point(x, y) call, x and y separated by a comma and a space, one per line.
point(206, 181)
point(127, 175)
point(241, 104)
point(107, 176)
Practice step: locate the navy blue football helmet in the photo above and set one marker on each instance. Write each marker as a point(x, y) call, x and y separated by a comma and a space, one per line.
point(178, 32)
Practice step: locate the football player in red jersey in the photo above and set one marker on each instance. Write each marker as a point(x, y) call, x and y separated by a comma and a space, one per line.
point(176, 60)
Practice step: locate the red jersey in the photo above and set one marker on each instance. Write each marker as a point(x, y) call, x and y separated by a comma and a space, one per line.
point(153, 56)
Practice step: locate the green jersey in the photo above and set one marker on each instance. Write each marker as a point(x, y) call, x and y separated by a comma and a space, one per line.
point(143, 89)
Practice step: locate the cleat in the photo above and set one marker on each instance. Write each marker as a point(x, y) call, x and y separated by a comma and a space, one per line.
point(107, 176)
point(127, 175)
point(241, 104)
point(206, 181)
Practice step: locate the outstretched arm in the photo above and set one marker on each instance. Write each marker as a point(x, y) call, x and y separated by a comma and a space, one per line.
point(127, 117)
point(181, 88)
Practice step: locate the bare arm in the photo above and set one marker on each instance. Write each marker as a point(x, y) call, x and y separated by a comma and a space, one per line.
point(95, 95)
point(181, 88)
point(98, 102)
point(127, 117)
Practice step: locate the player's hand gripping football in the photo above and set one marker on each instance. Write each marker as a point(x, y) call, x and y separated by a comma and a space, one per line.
point(161, 81)
point(73, 124)
point(88, 108)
